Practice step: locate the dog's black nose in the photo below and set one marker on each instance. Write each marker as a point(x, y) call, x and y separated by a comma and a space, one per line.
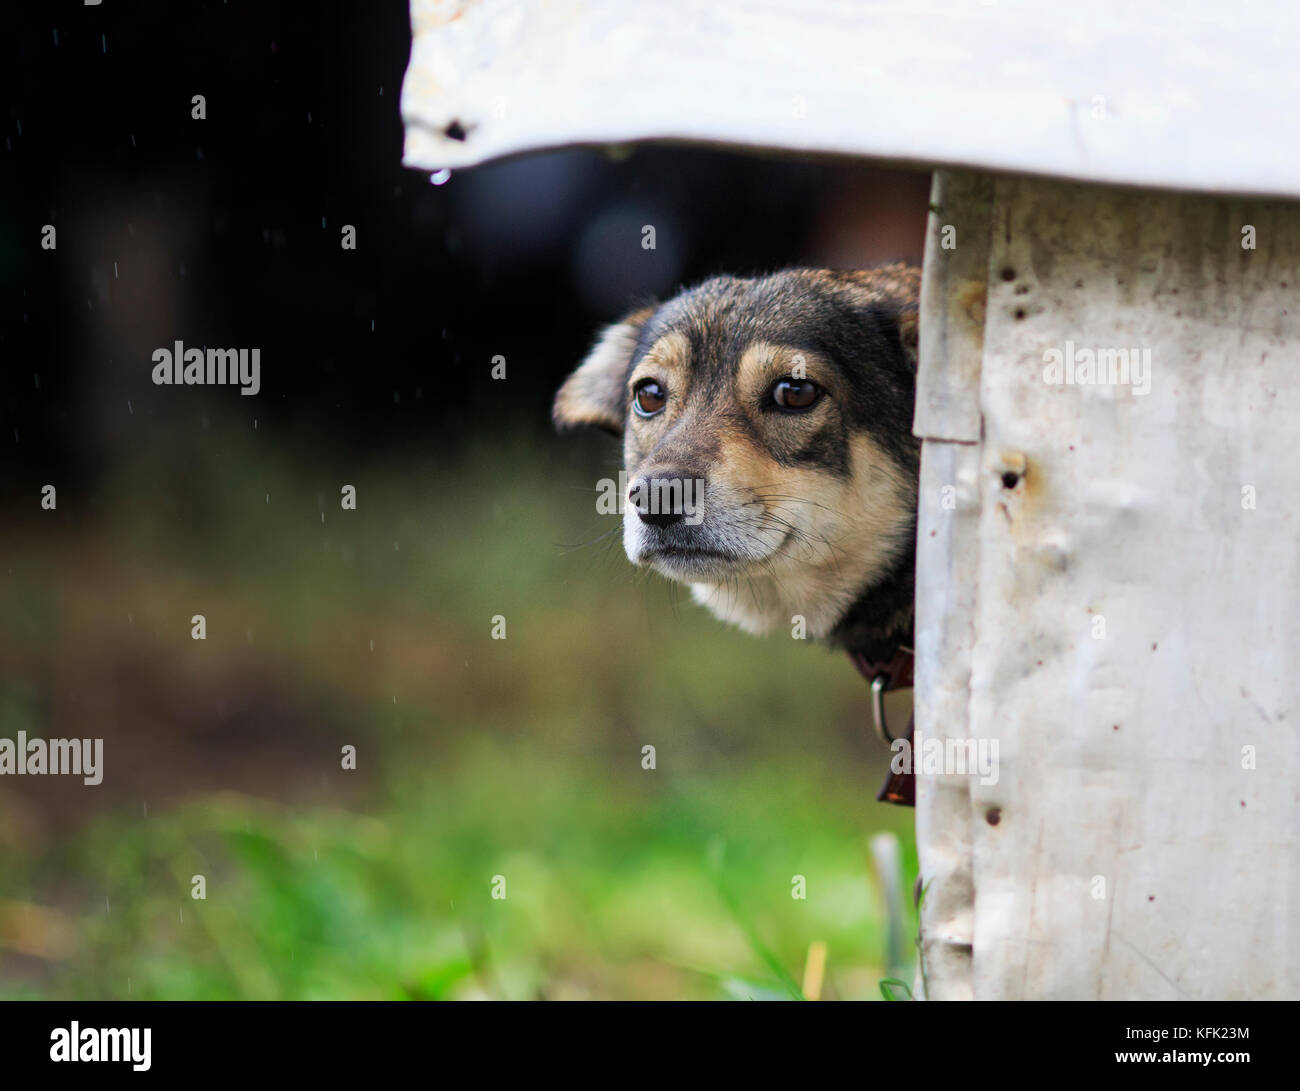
point(664, 500)
point(661, 518)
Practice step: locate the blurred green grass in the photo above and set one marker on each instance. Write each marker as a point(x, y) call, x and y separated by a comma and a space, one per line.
point(476, 757)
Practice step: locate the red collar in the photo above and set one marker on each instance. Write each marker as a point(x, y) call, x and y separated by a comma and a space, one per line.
point(884, 676)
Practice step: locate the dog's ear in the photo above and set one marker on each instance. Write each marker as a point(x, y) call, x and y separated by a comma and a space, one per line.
point(896, 291)
point(908, 330)
point(594, 395)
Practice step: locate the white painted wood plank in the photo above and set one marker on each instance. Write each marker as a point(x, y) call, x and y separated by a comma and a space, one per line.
point(1136, 624)
point(1203, 97)
point(947, 569)
point(948, 419)
point(954, 290)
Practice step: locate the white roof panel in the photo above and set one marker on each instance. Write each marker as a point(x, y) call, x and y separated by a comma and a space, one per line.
point(1201, 95)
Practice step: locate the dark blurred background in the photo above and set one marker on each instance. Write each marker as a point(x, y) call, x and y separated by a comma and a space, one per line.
point(372, 627)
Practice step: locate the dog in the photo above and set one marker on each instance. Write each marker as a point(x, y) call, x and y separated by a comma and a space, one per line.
point(767, 443)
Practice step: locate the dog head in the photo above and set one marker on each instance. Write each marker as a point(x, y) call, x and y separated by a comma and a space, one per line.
point(767, 441)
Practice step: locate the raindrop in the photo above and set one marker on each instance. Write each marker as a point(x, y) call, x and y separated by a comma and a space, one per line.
point(36, 376)
point(114, 270)
point(129, 408)
point(103, 38)
point(19, 124)
point(308, 117)
point(56, 34)
point(439, 177)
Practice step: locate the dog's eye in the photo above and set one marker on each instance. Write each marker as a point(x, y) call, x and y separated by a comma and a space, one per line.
point(649, 398)
point(796, 394)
